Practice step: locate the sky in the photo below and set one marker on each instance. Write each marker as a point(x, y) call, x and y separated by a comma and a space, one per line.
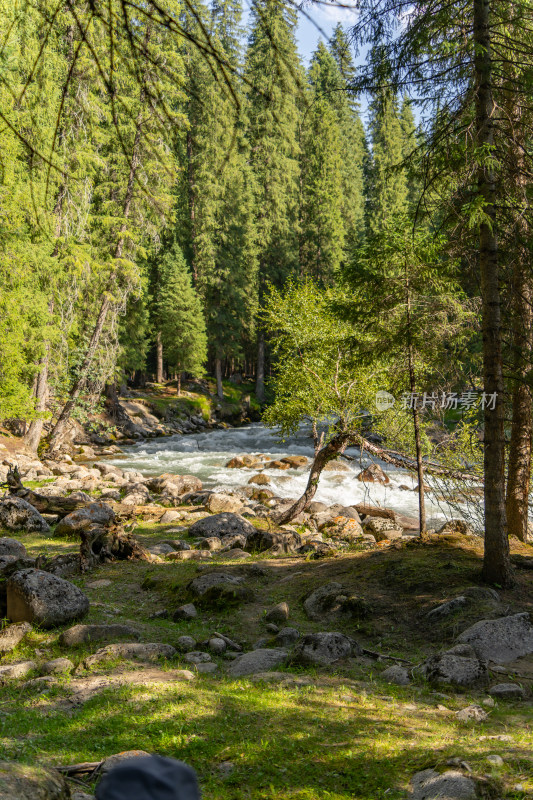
point(317, 21)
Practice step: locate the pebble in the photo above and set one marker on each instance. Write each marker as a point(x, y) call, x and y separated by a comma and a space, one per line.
point(197, 657)
point(495, 760)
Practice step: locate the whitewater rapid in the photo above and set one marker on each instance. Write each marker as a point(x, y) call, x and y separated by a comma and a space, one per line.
point(206, 454)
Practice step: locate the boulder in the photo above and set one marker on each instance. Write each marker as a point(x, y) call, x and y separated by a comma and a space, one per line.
point(118, 758)
point(44, 599)
point(11, 547)
point(373, 474)
point(221, 525)
point(189, 555)
point(174, 485)
point(382, 529)
point(21, 782)
point(396, 674)
point(336, 466)
point(322, 601)
point(500, 640)
point(187, 611)
point(287, 637)
point(212, 543)
point(218, 503)
point(507, 691)
point(17, 669)
point(458, 666)
point(257, 661)
point(82, 634)
point(232, 541)
point(456, 527)
point(17, 514)
point(345, 529)
point(450, 785)
point(217, 645)
point(324, 648)
point(219, 588)
point(170, 516)
point(287, 542)
point(12, 635)
point(277, 465)
point(296, 461)
point(317, 549)
point(58, 666)
point(260, 479)
point(235, 554)
point(151, 651)
point(185, 644)
point(278, 613)
point(93, 514)
point(197, 657)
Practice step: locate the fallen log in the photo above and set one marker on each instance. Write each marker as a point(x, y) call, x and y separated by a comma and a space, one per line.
point(44, 505)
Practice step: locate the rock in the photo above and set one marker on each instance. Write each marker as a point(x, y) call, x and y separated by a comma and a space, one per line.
point(233, 541)
point(93, 514)
point(213, 543)
point(197, 657)
point(217, 645)
point(315, 549)
point(324, 648)
point(458, 666)
point(161, 549)
point(286, 637)
point(185, 644)
point(373, 474)
point(236, 554)
point(18, 669)
point(507, 691)
point(12, 635)
point(82, 796)
point(221, 525)
point(344, 511)
point(187, 611)
point(272, 628)
point(218, 503)
point(118, 758)
point(382, 529)
point(259, 541)
point(321, 601)
point(495, 760)
point(296, 461)
point(47, 600)
point(277, 465)
point(470, 713)
point(11, 564)
point(11, 547)
point(257, 661)
point(18, 515)
point(500, 640)
point(346, 529)
point(447, 608)
point(99, 584)
point(173, 487)
point(82, 634)
point(206, 667)
point(189, 555)
point(151, 651)
point(336, 466)
point(456, 527)
point(58, 666)
point(396, 674)
point(170, 516)
point(278, 613)
point(365, 510)
point(450, 785)
point(260, 479)
point(22, 782)
point(219, 588)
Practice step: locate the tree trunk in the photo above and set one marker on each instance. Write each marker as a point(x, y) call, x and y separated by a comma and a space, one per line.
point(159, 347)
point(496, 562)
point(178, 378)
point(218, 374)
point(59, 429)
point(335, 447)
point(260, 373)
point(33, 436)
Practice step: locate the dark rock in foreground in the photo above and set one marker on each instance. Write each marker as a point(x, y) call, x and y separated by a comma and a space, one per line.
point(44, 599)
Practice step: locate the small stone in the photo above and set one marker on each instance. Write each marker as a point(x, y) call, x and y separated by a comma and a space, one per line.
point(101, 583)
point(12, 635)
point(18, 669)
point(150, 651)
point(489, 702)
point(206, 667)
point(471, 713)
point(82, 634)
point(185, 644)
point(325, 648)
point(189, 555)
point(507, 691)
point(188, 611)
point(271, 628)
point(197, 657)
point(495, 760)
point(450, 785)
point(278, 613)
point(396, 674)
point(287, 636)
point(217, 645)
point(257, 661)
point(58, 666)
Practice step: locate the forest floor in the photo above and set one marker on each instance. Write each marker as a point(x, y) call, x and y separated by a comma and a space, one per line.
point(335, 733)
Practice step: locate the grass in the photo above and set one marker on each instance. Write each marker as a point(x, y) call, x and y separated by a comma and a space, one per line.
point(334, 734)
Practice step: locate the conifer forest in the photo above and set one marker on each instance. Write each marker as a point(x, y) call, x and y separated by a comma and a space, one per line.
point(266, 360)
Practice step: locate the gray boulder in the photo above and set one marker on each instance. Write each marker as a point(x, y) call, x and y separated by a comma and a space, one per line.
point(278, 613)
point(507, 691)
point(382, 529)
point(324, 648)
point(396, 674)
point(18, 669)
point(450, 785)
point(12, 635)
point(500, 640)
point(197, 657)
point(151, 651)
point(187, 611)
point(45, 599)
point(12, 547)
point(58, 666)
point(458, 666)
point(219, 588)
point(81, 634)
point(259, 541)
point(220, 525)
point(21, 782)
point(286, 637)
point(322, 601)
point(17, 514)
point(449, 607)
point(93, 514)
point(185, 644)
point(257, 661)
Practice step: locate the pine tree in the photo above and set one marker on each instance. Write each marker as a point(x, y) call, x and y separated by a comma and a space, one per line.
point(177, 312)
point(274, 75)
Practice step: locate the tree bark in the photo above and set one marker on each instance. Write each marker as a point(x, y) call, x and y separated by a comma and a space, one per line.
point(496, 561)
point(335, 447)
point(159, 348)
point(218, 374)
point(178, 377)
point(260, 373)
point(33, 436)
